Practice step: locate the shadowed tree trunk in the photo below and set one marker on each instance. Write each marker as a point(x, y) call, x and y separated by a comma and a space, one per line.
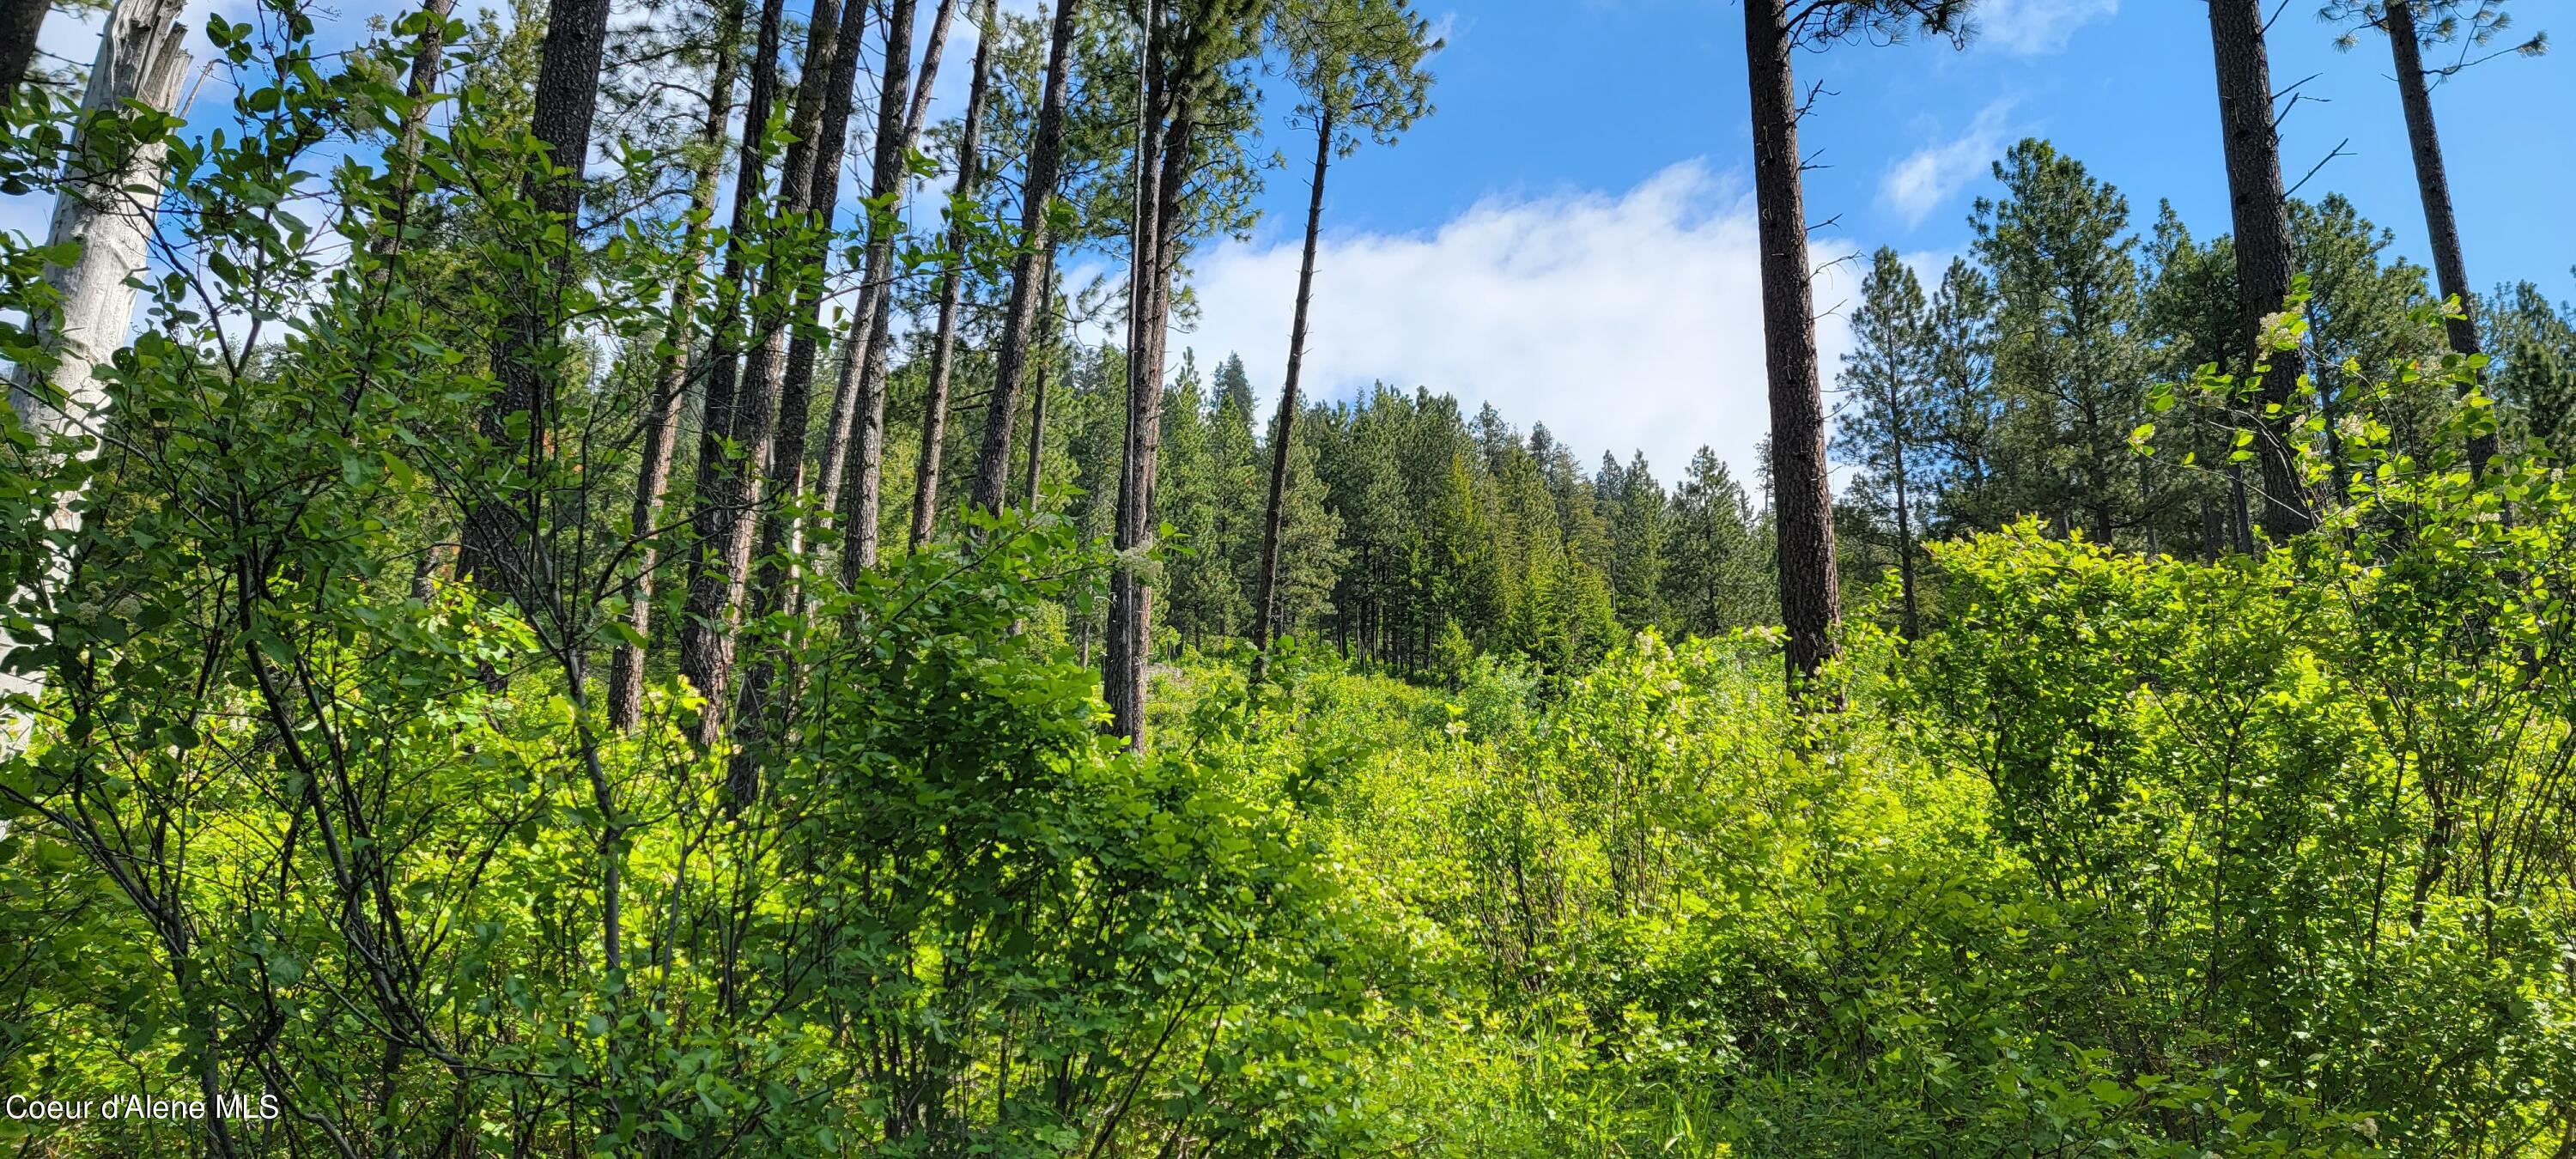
point(2433, 184)
point(670, 382)
point(856, 428)
point(2264, 263)
point(110, 215)
point(1810, 595)
point(499, 543)
point(1028, 287)
point(934, 414)
point(724, 465)
point(1265, 612)
point(20, 21)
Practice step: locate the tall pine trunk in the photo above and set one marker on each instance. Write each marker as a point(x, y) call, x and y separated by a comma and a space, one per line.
point(670, 382)
point(2265, 265)
point(784, 530)
point(1028, 278)
point(1265, 613)
point(856, 428)
point(724, 465)
point(110, 217)
point(499, 543)
point(934, 414)
point(2433, 184)
point(797, 263)
point(1810, 594)
point(1124, 664)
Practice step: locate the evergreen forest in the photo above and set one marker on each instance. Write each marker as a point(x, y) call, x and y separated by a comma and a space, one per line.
point(615, 579)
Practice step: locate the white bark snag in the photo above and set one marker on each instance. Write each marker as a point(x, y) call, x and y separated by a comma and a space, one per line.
point(108, 209)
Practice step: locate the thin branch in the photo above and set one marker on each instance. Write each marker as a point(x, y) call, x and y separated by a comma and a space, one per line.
point(2312, 172)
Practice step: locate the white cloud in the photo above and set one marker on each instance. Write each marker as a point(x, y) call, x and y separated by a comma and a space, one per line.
point(1917, 184)
point(2035, 27)
point(1623, 322)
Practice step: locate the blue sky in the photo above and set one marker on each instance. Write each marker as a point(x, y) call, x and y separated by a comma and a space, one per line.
point(1629, 116)
point(1570, 238)
point(1536, 95)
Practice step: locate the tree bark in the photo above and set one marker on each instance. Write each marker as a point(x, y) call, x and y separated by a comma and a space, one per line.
point(1050, 321)
point(1125, 658)
point(2433, 185)
point(499, 547)
point(1265, 613)
point(1037, 434)
point(724, 466)
point(785, 528)
point(108, 210)
point(863, 494)
point(934, 414)
point(845, 429)
point(817, 172)
point(1028, 288)
point(20, 21)
point(2265, 265)
point(662, 425)
point(1810, 593)
point(795, 254)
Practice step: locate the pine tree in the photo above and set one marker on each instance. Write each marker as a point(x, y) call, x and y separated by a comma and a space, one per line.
point(2067, 358)
point(1632, 507)
point(1810, 599)
point(2265, 265)
point(1964, 411)
point(2188, 313)
point(2360, 308)
point(1358, 64)
point(1715, 576)
point(1885, 425)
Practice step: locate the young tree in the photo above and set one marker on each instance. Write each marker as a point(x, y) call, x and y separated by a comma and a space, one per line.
point(1886, 374)
point(1962, 410)
point(1358, 64)
point(1715, 577)
point(1633, 513)
point(2471, 26)
point(2264, 263)
point(1810, 598)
